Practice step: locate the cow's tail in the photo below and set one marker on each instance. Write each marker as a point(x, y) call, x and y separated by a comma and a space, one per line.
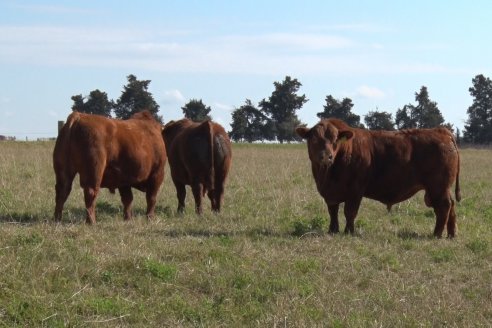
point(63, 140)
point(457, 190)
point(210, 175)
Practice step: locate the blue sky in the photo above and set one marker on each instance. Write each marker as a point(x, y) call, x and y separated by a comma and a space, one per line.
point(378, 53)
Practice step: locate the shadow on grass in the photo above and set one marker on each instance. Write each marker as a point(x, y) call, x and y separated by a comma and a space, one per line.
point(205, 233)
point(106, 210)
point(22, 218)
point(412, 235)
point(70, 214)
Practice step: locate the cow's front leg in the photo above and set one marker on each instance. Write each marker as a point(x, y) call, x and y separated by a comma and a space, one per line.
point(127, 199)
point(333, 211)
point(350, 210)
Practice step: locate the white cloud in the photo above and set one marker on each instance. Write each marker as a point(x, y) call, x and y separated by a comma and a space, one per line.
point(300, 41)
point(370, 92)
point(222, 107)
point(173, 97)
point(377, 46)
point(52, 9)
point(186, 51)
point(8, 114)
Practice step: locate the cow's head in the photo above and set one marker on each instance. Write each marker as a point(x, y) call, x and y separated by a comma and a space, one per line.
point(324, 140)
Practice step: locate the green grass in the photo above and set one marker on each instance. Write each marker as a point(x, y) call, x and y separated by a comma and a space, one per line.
point(266, 260)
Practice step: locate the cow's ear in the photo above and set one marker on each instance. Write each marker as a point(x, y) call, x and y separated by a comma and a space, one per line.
point(344, 136)
point(303, 132)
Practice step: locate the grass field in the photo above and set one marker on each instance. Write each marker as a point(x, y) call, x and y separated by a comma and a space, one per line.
point(266, 261)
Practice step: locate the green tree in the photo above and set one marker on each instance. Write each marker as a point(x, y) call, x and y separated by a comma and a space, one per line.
point(78, 103)
point(196, 110)
point(341, 110)
point(379, 121)
point(425, 114)
point(135, 98)
point(281, 109)
point(478, 126)
point(96, 103)
point(248, 123)
point(403, 119)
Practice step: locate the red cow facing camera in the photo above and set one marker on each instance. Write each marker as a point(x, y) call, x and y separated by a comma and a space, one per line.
point(388, 166)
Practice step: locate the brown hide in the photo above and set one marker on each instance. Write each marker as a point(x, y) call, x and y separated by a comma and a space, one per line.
point(388, 166)
point(109, 153)
point(199, 155)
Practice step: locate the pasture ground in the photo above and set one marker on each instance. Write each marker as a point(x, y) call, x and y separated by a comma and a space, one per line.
point(266, 261)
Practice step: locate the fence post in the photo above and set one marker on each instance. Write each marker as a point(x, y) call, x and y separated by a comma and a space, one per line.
point(60, 125)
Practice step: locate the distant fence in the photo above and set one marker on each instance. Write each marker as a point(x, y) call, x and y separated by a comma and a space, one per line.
point(6, 138)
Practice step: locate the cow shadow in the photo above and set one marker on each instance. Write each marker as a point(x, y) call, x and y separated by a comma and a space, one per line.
point(406, 234)
point(22, 218)
point(205, 233)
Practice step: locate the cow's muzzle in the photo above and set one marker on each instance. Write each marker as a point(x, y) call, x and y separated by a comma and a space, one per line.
point(326, 158)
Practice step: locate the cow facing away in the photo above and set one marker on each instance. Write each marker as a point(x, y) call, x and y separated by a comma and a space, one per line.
point(349, 164)
point(199, 155)
point(109, 153)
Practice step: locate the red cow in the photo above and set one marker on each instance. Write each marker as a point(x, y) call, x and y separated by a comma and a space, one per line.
point(200, 156)
point(389, 167)
point(109, 153)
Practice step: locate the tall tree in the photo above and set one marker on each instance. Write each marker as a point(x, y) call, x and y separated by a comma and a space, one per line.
point(249, 123)
point(136, 98)
point(78, 103)
point(425, 114)
point(196, 110)
point(403, 119)
point(281, 108)
point(379, 121)
point(96, 103)
point(478, 127)
point(341, 110)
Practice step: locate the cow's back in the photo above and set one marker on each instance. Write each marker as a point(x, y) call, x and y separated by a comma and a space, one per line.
point(197, 151)
point(404, 162)
point(124, 153)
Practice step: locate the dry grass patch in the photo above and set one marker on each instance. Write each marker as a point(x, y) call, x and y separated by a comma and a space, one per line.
point(267, 260)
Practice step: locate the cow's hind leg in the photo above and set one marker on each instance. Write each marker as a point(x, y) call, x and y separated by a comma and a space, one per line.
point(442, 208)
point(90, 194)
point(217, 196)
point(333, 211)
point(197, 189)
point(151, 197)
point(181, 194)
point(127, 199)
point(63, 188)
point(213, 200)
point(451, 225)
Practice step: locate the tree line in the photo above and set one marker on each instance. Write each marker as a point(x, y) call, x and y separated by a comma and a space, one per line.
point(275, 117)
